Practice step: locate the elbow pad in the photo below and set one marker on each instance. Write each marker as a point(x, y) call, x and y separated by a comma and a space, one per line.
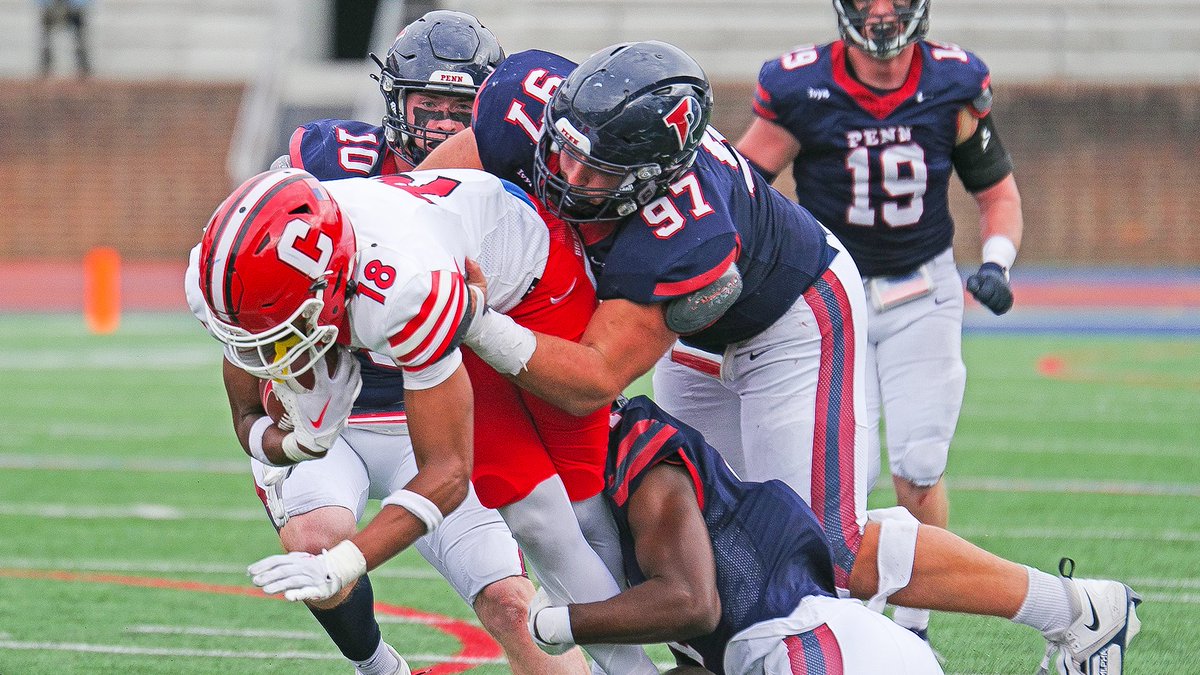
point(701, 308)
point(981, 161)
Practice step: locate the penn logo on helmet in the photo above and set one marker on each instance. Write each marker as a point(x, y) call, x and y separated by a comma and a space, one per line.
point(682, 119)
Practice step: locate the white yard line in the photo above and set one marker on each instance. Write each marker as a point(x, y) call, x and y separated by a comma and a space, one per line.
point(972, 483)
point(1002, 444)
point(1060, 486)
point(183, 567)
point(223, 653)
point(163, 465)
point(128, 512)
point(226, 632)
point(175, 358)
point(1076, 534)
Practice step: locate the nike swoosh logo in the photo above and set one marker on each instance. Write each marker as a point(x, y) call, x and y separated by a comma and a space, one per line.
point(320, 418)
point(1095, 617)
point(755, 355)
point(556, 300)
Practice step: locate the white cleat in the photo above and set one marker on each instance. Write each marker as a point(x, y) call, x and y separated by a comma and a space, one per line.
point(1095, 643)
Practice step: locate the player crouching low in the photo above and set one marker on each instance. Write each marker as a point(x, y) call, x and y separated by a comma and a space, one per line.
point(740, 575)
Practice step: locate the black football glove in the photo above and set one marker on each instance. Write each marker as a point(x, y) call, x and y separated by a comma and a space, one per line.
point(990, 287)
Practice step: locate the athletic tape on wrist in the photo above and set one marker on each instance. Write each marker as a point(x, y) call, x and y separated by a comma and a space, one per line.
point(346, 562)
point(1001, 250)
point(418, 505)
point(896, 552)
point(291, 449)
point(553, 626)
point(255, 441)
point(502, 343)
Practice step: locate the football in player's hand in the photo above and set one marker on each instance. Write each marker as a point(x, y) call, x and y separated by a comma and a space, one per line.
point(272, 404)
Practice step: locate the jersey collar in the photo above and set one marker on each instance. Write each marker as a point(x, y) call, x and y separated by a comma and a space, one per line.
point(879, 106)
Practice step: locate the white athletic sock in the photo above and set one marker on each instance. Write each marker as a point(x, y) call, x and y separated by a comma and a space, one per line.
point(544, 526)
point(1047, 606)
point(912, 619)
point(384, 661)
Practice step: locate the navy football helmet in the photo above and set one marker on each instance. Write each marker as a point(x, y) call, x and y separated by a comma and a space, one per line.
point(635, 112)
point(443, 53)
point(884, 39)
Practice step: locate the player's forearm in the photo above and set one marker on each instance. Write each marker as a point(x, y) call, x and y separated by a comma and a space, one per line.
point(392, 530)
point(1000, 211)
point(267, 435)
point(575, 377)
point(657, 610)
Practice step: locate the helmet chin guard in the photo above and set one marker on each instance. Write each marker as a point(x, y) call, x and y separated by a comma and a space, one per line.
point(273, 354)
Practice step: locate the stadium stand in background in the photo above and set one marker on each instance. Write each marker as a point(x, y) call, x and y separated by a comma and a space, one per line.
point(1099, 103)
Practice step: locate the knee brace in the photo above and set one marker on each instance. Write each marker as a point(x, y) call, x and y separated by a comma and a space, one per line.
point(897, 550)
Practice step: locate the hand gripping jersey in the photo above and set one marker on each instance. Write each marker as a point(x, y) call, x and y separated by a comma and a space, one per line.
point(719, 213)
point(332, 149)
point(770, 551)
point(414, 232)
point(874, 167)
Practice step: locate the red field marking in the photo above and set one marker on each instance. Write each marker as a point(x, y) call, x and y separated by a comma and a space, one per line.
point(1076, 369)
point(1051, 366)
point(57, 286)
point(476, 643)
point(1102, 295)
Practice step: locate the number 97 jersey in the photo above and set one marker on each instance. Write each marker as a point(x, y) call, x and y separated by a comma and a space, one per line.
point(875, 167)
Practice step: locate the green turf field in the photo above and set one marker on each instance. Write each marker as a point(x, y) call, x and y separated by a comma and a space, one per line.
point(127, 518)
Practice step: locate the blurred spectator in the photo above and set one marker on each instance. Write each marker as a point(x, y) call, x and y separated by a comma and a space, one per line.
point(71, 13)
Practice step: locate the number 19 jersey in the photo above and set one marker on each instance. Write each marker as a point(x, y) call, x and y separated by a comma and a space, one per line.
point(874, 167)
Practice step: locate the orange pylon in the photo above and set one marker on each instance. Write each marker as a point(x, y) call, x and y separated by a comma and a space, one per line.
point(102, 290)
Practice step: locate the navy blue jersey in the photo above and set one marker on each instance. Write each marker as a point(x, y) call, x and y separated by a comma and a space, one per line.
point(336, 149)
point(719, 213)
point(875, 167)
point(770, 551)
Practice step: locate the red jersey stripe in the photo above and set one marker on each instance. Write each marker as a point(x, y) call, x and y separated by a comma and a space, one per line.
point(677, 288)
point(443, 327)
point(418, 322)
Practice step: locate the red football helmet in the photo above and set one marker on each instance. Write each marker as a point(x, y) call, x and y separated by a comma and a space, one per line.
point(274, 267)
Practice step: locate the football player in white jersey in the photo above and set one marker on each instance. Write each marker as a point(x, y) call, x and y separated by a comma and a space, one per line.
point(290, 268)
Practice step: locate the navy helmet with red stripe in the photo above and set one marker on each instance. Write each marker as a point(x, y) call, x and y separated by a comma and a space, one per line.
point(274, 269)
point(634, 112)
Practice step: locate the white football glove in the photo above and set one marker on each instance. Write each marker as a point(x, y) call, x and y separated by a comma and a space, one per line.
point(319, 414)
point(550, 626)
point(272, 482)
point(304, 576)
